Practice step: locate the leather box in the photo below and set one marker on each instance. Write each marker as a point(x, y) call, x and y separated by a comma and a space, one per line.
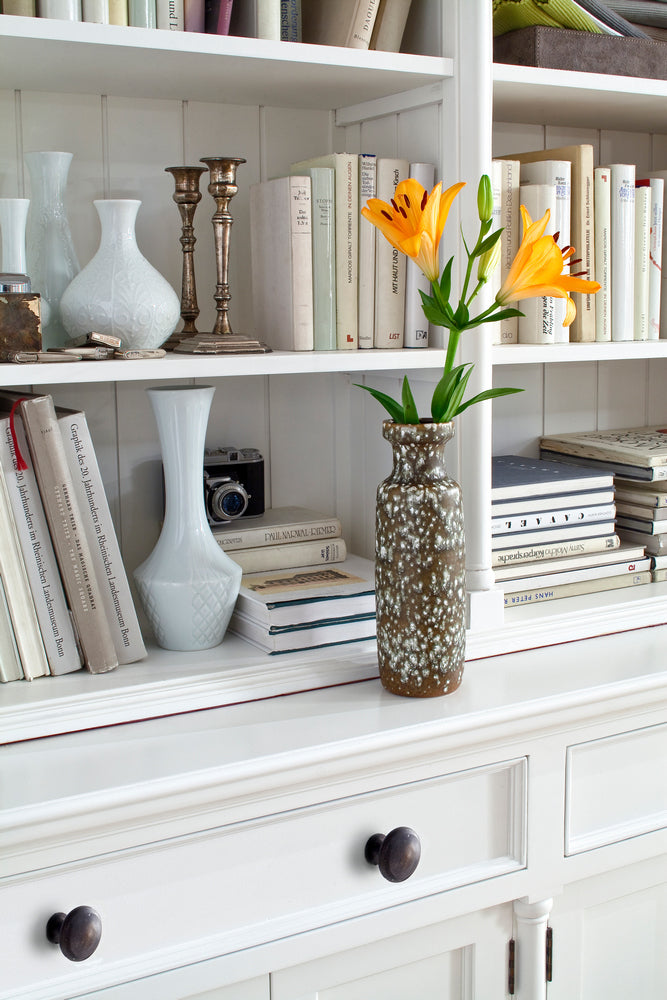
point(560, 48)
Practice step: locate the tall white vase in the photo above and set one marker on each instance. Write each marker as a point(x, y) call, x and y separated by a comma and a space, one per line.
point(118, 292)
point(188, 585)
point(51, 259)
point(13, 218)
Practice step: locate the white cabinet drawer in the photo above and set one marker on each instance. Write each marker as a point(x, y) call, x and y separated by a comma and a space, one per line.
point(615, 788)
point(189, 899)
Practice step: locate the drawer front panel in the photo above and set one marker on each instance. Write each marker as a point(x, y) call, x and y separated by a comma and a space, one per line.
point(189, 899)
point(614, 789)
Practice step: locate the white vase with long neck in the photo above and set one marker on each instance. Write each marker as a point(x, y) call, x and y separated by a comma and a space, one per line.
point(51, 259)
point(13, 218)
point(188, 585)
point(119, 292)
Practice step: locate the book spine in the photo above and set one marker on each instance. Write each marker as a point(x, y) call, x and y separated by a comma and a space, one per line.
point(270, 557)
point(553, 550)
point(267, 18)
point(95, 11)
point(657, 185)
point(67, 533)
point(347, 251)
point(528, 522)
point(556, 578)
point(142, 13)
point(324, 258)
point(118, 12)
point(536, 596)
point(505, 183)
point(389, 26)
point(622, 250)
point(40, 561)
point(537, 325)
point(389, 265)
point(367, 189)
point(22, 8)
point(60, 10)
point(241, 537)
point(193, 15)
point(415, 325)
point(641, 274)
point(582, 235)
point(301, 228)
point(602, 184)
point(290, 20)
point(170, 15)
point(10, 661)
point(101, 534)
point(361, 26)
point(217, 16)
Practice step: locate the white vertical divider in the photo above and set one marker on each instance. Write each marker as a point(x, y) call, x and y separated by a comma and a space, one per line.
point(530, 920)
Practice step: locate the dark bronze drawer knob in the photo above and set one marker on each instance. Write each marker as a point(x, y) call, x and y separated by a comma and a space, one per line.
point(397, 854)
point(78, 932)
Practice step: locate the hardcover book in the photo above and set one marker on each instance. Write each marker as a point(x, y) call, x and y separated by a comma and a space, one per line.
point(549, 593)
point(625, 555)
point(538, 322)
point(264, 558)
point(557, 504)
point(416, 326)
point(549, 535)
point(517, 477)
point(10, 661)
point(308, 636)
point(636, 452)
point(256, 19)
point(562, 577)
point(602, 186)
point(555, 550)
point(278, 526)
point(322, 186)
point(366, 268)
point(346, 23)
point(390, 264)
point(622, 250)
point(389, 27)
point(576, 516)
point(506, 216)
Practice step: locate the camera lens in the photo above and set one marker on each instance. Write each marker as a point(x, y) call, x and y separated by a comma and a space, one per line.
point(228, 501)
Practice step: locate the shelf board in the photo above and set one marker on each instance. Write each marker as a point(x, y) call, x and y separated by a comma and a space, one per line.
point(40, 54)
point(533, 354)
point(587, 100)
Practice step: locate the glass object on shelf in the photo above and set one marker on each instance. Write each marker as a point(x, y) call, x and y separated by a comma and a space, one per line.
point(13, 218)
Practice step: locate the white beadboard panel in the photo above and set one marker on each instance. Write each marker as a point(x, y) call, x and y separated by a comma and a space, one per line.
point(222, 130)
point(512, 137)
point(570, 393)
point(423, 29)
point(659, 152)
point(626, 147)
point(145, 137)
point(419, 138)
point(11, 178)
point(622, 394)
point(518, 431)
point(657, 398)
point(73, 123)
point(288, 137)
point(365, 442)
point(239, 417)
point(558, 135)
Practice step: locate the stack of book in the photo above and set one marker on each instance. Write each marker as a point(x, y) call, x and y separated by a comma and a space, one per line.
point(307, 608)
point(282, 538)
point(554, 534)
point(637, 457)
point(65, 600)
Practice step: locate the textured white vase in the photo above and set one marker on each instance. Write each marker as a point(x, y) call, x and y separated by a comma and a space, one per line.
point(13, 218)
point(188, 586)
point(118, 292)
point(51, 259)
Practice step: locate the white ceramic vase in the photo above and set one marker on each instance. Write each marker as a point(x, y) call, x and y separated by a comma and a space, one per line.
point(118, 292)
point(13, 218)
point(51, 259)
point(188, 586)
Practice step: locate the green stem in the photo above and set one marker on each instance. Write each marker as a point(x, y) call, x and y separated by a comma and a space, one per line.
point(452, 344)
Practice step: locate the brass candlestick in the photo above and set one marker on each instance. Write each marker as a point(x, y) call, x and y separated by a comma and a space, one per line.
point(222, 187)
point(187, 196)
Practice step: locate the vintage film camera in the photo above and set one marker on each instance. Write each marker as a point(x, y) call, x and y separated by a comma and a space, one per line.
point(233, 484)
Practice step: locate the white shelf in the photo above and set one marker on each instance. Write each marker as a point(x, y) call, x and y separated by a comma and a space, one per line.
point(534, 354)
point(587, 100)
point(126, 62)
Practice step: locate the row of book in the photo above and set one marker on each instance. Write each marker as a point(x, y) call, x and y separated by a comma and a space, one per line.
point(361, 24)
point(613, 217)
point(323, 277)
point(65, 601)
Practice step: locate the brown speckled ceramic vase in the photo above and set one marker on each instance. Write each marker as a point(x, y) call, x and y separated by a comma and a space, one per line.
point(419, 565)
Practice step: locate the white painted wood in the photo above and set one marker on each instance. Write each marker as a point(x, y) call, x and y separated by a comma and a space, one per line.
point(530, 922)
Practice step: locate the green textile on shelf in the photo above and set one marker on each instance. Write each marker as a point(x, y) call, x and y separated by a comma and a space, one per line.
point(509, 15)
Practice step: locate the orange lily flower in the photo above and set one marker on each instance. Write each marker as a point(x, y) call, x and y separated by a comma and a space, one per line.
point(414, 221)
point(537, 269)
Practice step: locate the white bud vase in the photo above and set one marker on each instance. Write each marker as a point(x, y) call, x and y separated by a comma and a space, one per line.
point(188, 585)
point(118, 292)
point(13, 217)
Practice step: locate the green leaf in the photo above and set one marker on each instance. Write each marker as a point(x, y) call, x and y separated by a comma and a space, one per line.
point(442, 392)
point(446, 280)
point(410, 415)
point(461, 316)
point(487, 394)
point(457, 395)
point(489, 243)
point(393, 408)
point(503, 314)
point(435, 315)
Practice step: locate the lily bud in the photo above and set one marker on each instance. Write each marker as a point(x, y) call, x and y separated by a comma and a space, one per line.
point(485, 198)
point(488, 262)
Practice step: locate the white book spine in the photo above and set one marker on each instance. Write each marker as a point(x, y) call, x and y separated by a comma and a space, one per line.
point(642, 243)
point(603, 253)
point(105, 550)
point(361, 26)
point(536, 596)
point(416, 332)
point(505, 183)
point(60, 10)
point(10, 661)
point(367, 189)
point(170, 15)
point(39, 557)
point(267, 18)
point(390, 266)
point(324, 258)
point(269, 557)
point(655, 257)
point(347, 261)
point(538, 322)
point(622, 250)
point(95, 11)
point(302, 262)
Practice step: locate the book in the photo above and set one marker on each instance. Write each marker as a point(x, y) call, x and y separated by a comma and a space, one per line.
point(642, 252)
point(65, 521)
point(582, 229)
point(415, 324)
point(142, 13)
point(553, 550)
point(647, 494)
point(347, 23)
point(647, 525)
point(39, 557)
point(549, 535)
point(95, 11)
point(22, 8)
point(309, 595)
point(366, 265)
point(300, 637)
point(217, 16)
point(600, 572)
point(324, 257)
point(654, 544)
point(625, 555)
point(548, 593)
point(518, 477)
point(636, 453)
point(118, 12)
point(662, 175)
point(657, 185)
point(278, 526)
point(14, 576)
point(265, 558)
point(506, 197)
point(346, 219)
point(556, 174)
point(557, 503)
point(390, 264)
point(170, 15)
point(290, 20)
point(101, 534)
point(256, 19)
point(282, 262)
point(643, 512)
point(10, 661)
point(602, 183)
point(61, 10)
point(390, 21)
point(659, 575)
point(503, 525)
point(537, 325)
point(193, 15)
point(622, 250)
